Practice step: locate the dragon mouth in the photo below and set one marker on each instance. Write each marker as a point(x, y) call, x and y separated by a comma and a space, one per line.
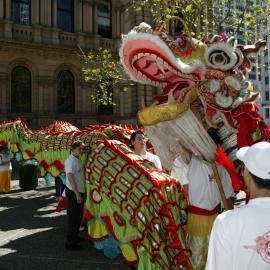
point(156, 65)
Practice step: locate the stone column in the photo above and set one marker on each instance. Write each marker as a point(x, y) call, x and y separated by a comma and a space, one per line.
point(3, 92)
point(48, 12)
point(87, 17)
point(116, 22)
point(1, 9)
point(78, 16)
point(140, 96)
point(54, 7)
point(95, 18)
point(35, 12)
point(8, 9)
point(35, 94)
point(35, 7)
point(46, 85)
point(55, 32)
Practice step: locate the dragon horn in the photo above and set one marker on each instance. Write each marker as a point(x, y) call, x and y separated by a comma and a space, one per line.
point(233, 40)
point(168, 18)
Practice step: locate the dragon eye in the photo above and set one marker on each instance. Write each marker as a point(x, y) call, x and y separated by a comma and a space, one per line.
point(221, 56)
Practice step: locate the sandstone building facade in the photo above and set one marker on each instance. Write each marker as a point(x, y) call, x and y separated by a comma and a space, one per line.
point(40, 69)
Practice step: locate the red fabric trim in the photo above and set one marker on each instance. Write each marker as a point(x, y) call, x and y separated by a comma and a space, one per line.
point(29, 152)
point(200, 211)
point(59, 165)
point(4, 143)
point(223, 160)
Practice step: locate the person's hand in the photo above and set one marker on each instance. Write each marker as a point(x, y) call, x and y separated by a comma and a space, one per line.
point(79, 198)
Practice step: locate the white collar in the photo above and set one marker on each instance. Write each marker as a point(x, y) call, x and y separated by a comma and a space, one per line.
point(263, 201)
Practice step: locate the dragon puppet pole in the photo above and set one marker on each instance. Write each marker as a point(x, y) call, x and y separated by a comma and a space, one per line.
point(220, 186)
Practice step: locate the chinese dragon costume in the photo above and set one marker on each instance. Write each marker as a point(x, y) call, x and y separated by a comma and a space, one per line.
point(132, 208)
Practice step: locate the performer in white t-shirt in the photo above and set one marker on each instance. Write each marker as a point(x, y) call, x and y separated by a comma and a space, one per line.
point(240, 239)
point(198, 180)
point(138, 141)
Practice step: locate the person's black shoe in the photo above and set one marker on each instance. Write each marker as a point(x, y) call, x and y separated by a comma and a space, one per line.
point(73, 246)
point(80, 239)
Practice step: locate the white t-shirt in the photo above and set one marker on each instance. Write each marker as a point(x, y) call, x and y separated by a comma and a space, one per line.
point(75, 166)
point(240, 238)
point(153, 158)
point(179, 171)
point(3, 159)
point(203, 191)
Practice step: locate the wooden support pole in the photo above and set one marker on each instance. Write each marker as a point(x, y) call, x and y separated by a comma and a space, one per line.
point(220, 186)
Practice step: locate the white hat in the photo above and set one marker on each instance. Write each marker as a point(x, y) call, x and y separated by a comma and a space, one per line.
point(256, 159)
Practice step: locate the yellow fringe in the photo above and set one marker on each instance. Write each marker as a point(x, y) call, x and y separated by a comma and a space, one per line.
point(200, 226)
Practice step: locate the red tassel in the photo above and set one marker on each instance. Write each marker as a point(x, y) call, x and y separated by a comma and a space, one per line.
point(171, 228)
point(164, 212)
point(29, 152)
point(44, 164)
point(59, 165)
point(223, 160)
point(3, 143)
point(175, 245)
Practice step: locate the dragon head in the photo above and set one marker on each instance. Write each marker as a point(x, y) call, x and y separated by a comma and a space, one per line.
point(210, 73)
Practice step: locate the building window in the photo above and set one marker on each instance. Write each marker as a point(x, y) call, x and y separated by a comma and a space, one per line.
point(21, 11)
point(267, 95)
point(65, 15)
point(267, 113)
point(65, 92)
point(104, 19)
point(266, 80)
point(20, 90)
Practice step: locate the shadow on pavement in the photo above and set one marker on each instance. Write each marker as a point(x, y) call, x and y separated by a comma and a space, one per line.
point(32, 236)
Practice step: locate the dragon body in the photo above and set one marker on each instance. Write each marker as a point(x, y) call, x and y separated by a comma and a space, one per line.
point(131, 208)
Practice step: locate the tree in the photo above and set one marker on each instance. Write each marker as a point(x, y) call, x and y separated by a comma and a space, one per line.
point(205, 18)
point(106, 71)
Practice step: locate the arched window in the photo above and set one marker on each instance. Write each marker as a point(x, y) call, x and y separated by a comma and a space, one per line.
point(65, 92)
point(21, 11)
point(20, 90)
point(65, 15)
point(104, 11)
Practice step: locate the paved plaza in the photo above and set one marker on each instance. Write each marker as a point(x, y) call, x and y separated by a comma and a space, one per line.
point(32, 235)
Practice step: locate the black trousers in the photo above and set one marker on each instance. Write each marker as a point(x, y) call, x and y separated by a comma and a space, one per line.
point(74, 216)
point(59, 186)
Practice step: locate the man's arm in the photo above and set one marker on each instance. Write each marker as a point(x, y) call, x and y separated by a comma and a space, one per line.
point(74, 187)
point(158, 163)
point(219, 249)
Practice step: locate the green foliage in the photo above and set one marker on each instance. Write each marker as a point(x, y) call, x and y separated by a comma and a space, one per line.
point(208, 17)
point(105, 70)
